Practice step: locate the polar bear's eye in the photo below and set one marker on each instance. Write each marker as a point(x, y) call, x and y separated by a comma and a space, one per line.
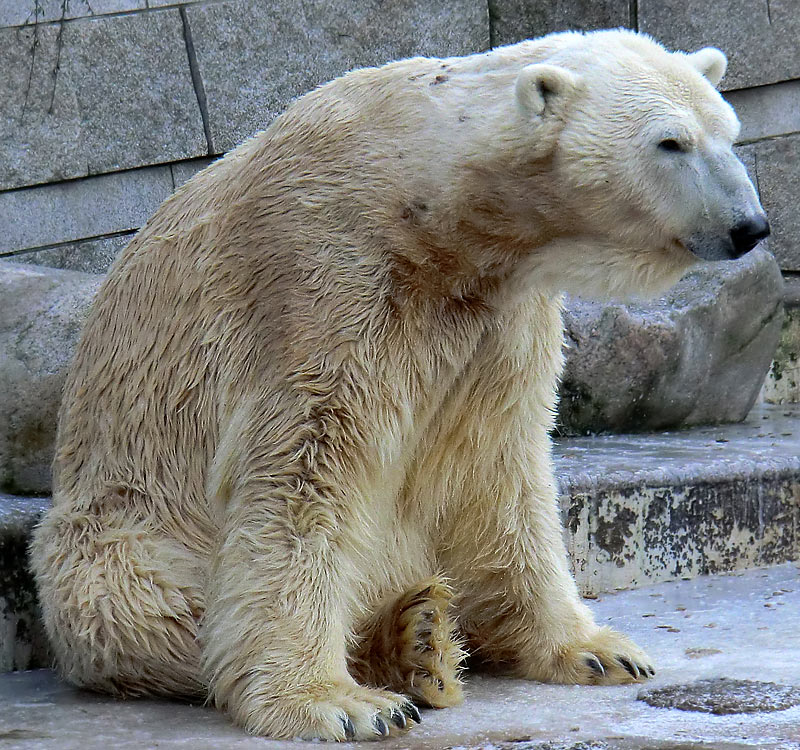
point(670, 144)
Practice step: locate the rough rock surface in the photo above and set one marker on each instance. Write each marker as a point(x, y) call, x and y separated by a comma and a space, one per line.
point(696, 356)
point(782, 385)
point(40, 320)
point(515, 20)
point(22, 639)
point(778, 178)
point(51, 215)
point(89, 256)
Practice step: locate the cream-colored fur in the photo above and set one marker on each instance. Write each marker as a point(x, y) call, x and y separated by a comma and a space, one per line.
point(313, 397)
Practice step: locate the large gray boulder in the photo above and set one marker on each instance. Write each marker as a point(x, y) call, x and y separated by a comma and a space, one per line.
point(41, 316)
point(696, 356)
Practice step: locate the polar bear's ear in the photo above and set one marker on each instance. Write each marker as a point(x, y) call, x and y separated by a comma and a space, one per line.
point(540, 85)
point(711, 62)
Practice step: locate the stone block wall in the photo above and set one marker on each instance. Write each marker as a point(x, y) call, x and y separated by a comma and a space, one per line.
point(108, 105)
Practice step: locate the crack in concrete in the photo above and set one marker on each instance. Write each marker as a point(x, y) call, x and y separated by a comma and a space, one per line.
point(633, 14)
point(59, 245)
point(197, 81)
point(491, 9)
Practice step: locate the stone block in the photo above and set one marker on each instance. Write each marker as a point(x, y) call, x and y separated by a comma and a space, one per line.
point(254, 56)
point(760, 39)
point(515, 20)
point(21, 12)
point(41, 317)
point(184, 170)
point(698, 355)
point(100, 94)
point(778, 175)
point(767, 111)
point(88, 256)
point(106, 204)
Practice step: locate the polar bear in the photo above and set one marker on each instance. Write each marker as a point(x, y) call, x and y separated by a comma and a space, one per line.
point(303, 458)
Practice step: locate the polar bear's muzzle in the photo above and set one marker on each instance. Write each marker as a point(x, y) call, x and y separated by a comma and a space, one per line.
point(744, 236)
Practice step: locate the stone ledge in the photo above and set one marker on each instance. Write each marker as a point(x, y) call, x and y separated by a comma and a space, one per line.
point(646, 508)
point(743, 627)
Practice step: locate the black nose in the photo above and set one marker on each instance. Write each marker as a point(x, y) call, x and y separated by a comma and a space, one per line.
point(748, 234)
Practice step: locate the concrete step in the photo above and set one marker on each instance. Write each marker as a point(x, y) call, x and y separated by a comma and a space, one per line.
point(704, 635)
point(638, 509)
point(656, 507)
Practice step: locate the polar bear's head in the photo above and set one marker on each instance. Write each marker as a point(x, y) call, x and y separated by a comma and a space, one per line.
point(641, 148)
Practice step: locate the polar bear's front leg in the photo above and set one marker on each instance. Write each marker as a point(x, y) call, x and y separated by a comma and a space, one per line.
point(520, 605)
point(275, 632)
point(502, 542)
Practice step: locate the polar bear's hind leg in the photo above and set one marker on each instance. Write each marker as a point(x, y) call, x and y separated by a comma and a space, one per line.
point(119, 602)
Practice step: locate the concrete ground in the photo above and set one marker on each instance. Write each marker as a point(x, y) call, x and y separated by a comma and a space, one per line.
point(742, 626)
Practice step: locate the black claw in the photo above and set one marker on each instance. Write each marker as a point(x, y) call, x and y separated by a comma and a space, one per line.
point(380, 726)
point(399, 719)
point(629, 668)
point(652, 672)
point(643, 671)
point(594, 664)
point(410, 710)
point(349, 729)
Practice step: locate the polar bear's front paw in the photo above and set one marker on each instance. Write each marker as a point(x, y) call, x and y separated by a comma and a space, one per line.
point(606, 658)
point(333, 712)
